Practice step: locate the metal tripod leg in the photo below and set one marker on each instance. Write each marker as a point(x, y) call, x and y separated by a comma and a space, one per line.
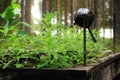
point(92, 35)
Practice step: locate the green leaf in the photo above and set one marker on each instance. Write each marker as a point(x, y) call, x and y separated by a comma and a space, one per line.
point(5, 65)
point(18, 65)
point(23, 33)
point(24, 23)
point(40, 65)
point(2, 31)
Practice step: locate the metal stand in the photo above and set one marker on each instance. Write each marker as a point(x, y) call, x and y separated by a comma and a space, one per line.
point(84, 18)
point(114, 35)
point(92, 35)
point(85, 52)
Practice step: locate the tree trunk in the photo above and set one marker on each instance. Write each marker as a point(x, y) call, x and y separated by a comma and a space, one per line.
point(96, 20)
point(72, 12)
point(65, 11)
point(90, 4)
point(28, 15)
point(83, 3)
point(103, 18)
point(117, 21)
point(45, 7)
point(18, 1)
point(59, 10)
point(22, 13)
point(3, 5)
point(111, 13)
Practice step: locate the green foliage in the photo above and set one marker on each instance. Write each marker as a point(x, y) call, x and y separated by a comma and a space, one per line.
point(59, 50)
point(11, 14)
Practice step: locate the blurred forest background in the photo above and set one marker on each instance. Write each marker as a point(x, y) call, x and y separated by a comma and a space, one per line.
point(31, 11)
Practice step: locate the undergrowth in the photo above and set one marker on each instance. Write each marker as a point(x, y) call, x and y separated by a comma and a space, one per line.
point(61, 49)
